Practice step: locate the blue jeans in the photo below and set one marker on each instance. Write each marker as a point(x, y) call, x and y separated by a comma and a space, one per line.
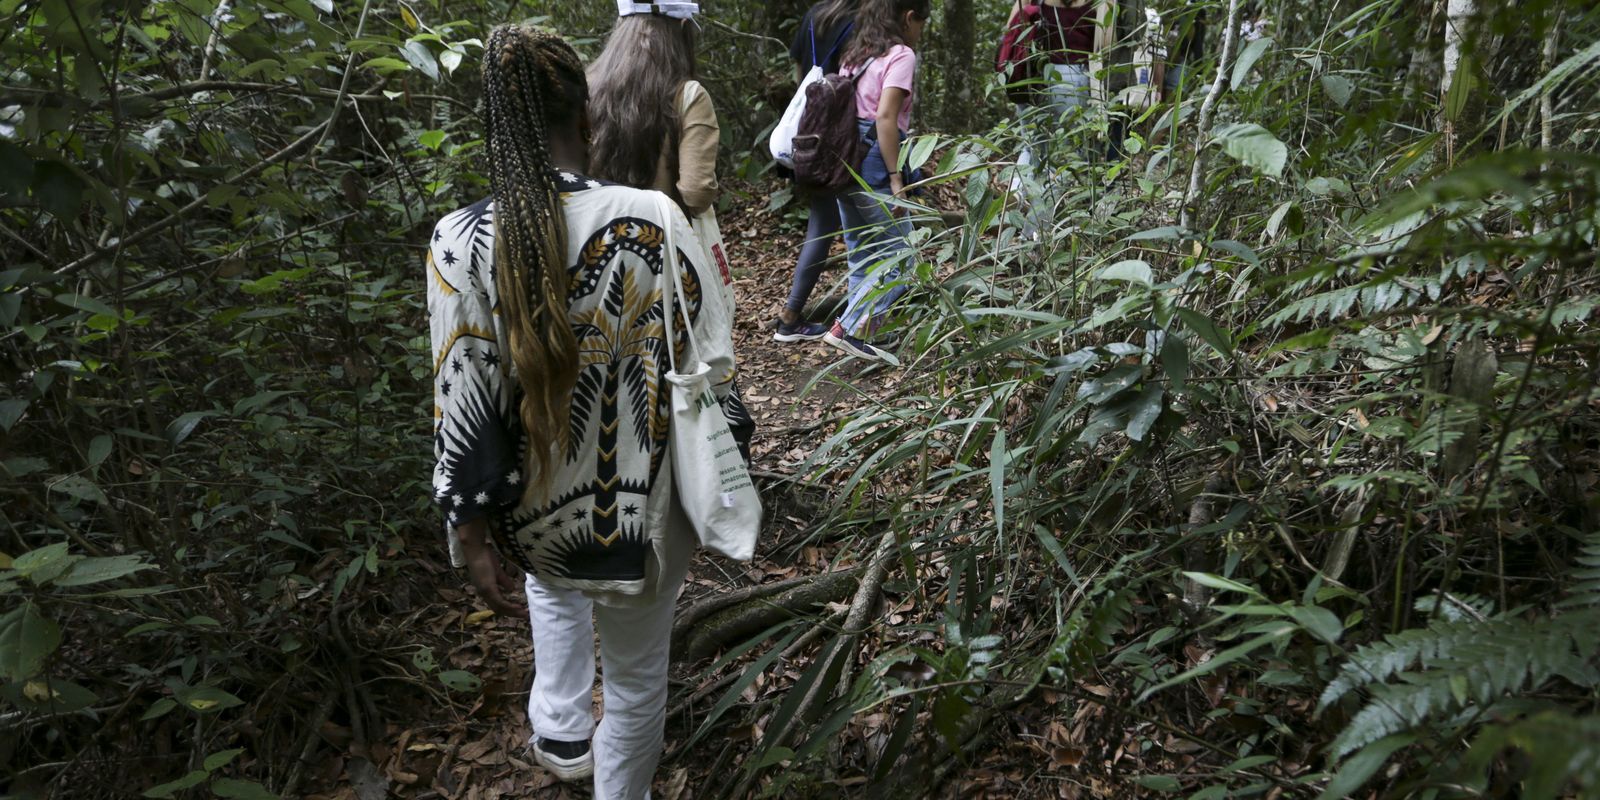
point(875, 240)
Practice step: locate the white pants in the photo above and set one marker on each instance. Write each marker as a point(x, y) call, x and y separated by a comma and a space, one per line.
point(633, 662)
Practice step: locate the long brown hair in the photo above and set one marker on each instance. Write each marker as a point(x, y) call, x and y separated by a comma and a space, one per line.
point(878, 28)
point(634, 85)
point(533, 82)
point(827, 14)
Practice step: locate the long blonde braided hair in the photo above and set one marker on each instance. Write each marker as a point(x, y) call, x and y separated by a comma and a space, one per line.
point(533, 82)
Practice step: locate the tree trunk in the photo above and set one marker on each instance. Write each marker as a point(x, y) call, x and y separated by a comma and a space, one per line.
point(1230, 33)
point(1458, 15)
point(960, 35)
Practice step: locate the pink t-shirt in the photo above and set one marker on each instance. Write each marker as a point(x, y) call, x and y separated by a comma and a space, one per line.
point(896, 69)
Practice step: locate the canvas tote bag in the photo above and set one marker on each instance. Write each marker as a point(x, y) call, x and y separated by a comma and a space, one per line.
point(714, 486)
point(705, 223)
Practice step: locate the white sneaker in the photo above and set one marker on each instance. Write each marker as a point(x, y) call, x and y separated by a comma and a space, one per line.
point(568, 761)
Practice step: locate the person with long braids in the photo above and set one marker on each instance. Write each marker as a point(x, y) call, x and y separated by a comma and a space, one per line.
point(545, 304)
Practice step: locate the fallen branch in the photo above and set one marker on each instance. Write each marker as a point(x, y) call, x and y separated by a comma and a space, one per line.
point(855, 623)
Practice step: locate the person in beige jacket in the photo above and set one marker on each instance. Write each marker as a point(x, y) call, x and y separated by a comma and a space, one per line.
point(653, 124)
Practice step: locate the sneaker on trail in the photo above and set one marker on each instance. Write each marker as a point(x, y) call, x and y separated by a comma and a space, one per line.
point(568, 761)
point(853, 346)
point(800, 331)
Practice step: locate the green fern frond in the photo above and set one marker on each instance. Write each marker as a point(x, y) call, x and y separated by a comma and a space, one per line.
point(1461, 667)
point(1585, 590)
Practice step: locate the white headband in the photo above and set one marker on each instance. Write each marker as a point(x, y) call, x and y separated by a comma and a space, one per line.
point(665, 8)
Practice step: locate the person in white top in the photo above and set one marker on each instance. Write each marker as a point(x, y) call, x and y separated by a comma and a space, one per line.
point(546, 308)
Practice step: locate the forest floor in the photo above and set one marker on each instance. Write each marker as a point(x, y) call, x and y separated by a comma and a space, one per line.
point(476, 749)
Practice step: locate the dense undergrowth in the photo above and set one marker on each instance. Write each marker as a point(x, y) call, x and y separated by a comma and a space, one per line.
point(1295, 500)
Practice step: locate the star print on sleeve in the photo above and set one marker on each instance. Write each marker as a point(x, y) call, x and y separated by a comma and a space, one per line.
point(450, 258)
point(456, 365)
point(491, 359)
point(630, 510)
point(444, 386)
point(514, 477)
point(577, 516)
point(482, 498)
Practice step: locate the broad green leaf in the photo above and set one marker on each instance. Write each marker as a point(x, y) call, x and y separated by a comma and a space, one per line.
point(217, 761)
point(79, 487)
point(46, 694)
point(16, 170)
point(237, 789)
point(26, 640)
point(99, 449)
point(1220, 583)
point(921, 151)
point(257, 401)
point(1206, 330)
point(387, 64)
point(85, 303)
point(1339, 89)
point(997, 478)
point(1132, 270)
point(1461, 86)
point(1319, 622)
point(418, 55)
point(159, 708)
point(1145, 412)
point(98, 569)
point(44, 564)
point(1254, 146)
point(193, 779)
point(206, 699)
point(431, 139)
point(1159, 783)
point(460, 680)
point(11, 412)
point(180, 428)
point(1248, 57)
point(1359, 768)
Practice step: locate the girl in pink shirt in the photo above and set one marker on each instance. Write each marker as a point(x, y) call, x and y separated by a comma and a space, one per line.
point(882, 57)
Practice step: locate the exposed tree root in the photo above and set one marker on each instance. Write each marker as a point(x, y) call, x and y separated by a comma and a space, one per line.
point(729, 617)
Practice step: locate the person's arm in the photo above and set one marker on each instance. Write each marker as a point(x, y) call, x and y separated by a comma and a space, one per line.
point(476, 470)
point(697, 152)
point(888, 125)
point(496, 586)
point(1016, 11)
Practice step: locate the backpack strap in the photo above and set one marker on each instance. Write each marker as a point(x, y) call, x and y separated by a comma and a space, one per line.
point(838, 41)
point(811, 28)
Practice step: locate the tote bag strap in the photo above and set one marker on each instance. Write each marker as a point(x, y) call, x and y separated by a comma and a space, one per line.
point(673, 287)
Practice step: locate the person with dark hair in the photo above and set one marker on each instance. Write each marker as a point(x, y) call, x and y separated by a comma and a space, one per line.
point(820, 41)
point(654, 125)
point(545, 303)
point(881, 54)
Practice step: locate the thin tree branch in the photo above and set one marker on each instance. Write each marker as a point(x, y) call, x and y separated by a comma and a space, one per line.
point(1218, 86)
point(344, 83)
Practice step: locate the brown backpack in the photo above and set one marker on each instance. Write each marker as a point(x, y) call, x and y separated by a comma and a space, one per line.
point(828, 148)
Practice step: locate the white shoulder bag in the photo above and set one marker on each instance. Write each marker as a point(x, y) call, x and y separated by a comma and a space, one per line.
point(782, 142)
point(714, 486)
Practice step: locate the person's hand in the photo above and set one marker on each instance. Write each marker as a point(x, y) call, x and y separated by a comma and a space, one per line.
point(897, 187)
point(496, 585)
